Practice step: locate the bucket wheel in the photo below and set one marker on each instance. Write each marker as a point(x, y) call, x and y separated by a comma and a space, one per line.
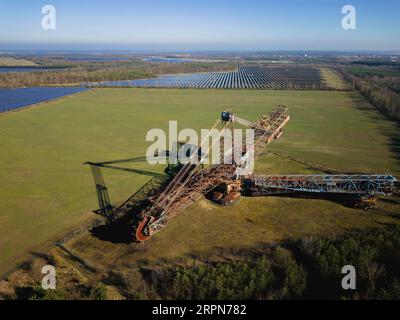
point(142, 232)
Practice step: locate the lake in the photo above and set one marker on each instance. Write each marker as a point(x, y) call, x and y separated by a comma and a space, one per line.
point(11, 99)
point(165, 59)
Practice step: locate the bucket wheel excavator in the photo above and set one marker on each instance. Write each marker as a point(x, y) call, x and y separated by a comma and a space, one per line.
point(226, 182)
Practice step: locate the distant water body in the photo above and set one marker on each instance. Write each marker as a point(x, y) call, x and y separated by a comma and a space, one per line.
point(11, 99)
point(170, 60)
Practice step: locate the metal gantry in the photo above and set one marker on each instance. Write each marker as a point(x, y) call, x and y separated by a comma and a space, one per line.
point(333, 184)
point(194, 181)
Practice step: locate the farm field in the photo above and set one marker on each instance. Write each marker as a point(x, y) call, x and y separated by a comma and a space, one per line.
point(333, 79)
point(46, 190)
point(12, 62)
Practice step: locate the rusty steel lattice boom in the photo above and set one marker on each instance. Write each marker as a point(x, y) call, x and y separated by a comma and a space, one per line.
point(194, 181)
point(151, 208)
point(335, 184)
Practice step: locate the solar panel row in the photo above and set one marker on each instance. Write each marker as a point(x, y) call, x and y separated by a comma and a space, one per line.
point(243, 78)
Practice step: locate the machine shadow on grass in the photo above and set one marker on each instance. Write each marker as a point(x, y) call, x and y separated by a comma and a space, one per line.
point(117, 232)
point(118, 227)
point(119, 221)
point(341, 199)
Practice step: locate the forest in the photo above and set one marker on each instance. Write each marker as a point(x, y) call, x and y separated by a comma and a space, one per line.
point(379, 85)
point(78, 73)
point(307, 268)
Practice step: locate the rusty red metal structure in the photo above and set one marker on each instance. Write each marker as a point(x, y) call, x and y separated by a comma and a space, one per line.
point(194, 181)
point(159, 201)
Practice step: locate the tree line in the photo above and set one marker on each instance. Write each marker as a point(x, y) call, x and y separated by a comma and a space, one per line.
point(104, 72)
point(308, 268)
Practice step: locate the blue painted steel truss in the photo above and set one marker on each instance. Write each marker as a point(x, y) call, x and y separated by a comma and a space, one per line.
point(339, 184)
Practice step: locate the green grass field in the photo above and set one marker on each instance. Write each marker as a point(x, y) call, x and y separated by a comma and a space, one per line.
point(46, 190)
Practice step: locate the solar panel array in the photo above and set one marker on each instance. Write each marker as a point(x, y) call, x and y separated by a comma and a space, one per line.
point(243, 78)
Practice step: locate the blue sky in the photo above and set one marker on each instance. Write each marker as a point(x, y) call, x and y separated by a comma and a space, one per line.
point(200, 25)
